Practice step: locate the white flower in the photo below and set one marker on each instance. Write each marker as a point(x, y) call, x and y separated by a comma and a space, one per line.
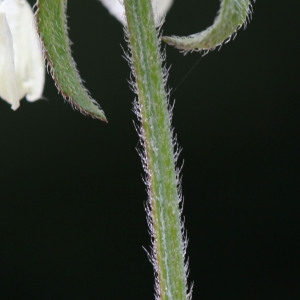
point(116, 8)
point(22, 71)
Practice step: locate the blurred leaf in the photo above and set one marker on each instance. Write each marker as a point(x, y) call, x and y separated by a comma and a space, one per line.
point(232, 15)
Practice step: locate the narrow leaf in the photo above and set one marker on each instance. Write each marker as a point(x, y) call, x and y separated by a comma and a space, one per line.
point(52, 28)
point(232, 15)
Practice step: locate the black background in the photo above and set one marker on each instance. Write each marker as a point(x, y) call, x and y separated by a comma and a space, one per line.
point(72, 199)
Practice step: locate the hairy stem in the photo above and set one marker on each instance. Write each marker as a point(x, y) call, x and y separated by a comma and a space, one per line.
point(158, 157)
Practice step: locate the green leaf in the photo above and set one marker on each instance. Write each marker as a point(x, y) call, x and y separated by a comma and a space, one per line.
point(232, 15)
point(52, 28)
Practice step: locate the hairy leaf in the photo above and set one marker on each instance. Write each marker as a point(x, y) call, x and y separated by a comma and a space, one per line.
point(232, 15)
point(52, 28)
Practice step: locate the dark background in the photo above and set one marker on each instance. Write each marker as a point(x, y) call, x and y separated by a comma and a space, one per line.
point(72, 199)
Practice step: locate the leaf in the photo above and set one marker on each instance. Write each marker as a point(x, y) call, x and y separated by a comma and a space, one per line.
point(52, 28)
point(232, 15)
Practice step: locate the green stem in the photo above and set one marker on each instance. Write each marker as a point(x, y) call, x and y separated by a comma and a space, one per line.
point(159, 159)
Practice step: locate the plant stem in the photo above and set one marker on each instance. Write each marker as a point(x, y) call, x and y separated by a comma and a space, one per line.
point(159, 158)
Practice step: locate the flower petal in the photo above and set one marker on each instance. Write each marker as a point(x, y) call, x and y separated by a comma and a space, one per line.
point(29, 63)
point(8, 83)
point(116, 8)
